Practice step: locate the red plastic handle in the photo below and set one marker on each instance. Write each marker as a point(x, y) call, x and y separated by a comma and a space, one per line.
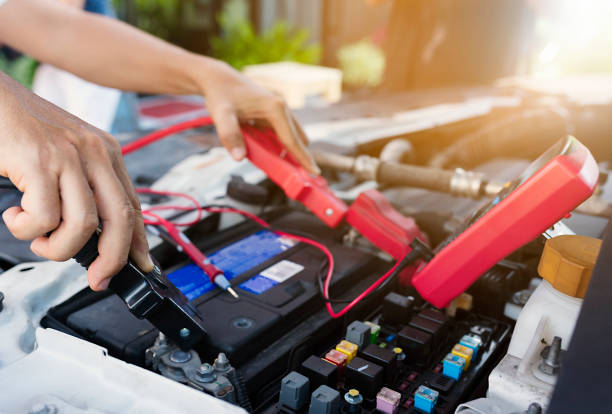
point(376, 219)
point(264, 150)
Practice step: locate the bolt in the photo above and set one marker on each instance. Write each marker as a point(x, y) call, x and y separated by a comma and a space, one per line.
point(354, 400)
point(205, 373)
point(551, 358)
point(521, 297)
point(534, 408)
point(184, 333)
point(329, 212)
point(180, 357)
point(222, 364)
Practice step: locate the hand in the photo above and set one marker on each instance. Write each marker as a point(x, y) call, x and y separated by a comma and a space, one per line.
point(72, 176)
point(232, 98)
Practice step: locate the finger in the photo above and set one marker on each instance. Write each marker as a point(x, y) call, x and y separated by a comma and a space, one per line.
point(79, 217)
point(228, 129)
point(281, 121)
point(301, 134)
point(39, 212)
point(139, 250)
point(117, 217)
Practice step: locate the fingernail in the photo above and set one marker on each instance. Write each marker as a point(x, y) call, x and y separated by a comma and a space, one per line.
point(314, 168)
point(238, 153)
point(151, 261)
point(103, 285)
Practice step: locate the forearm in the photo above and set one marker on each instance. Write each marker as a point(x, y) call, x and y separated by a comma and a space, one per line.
point(99, 49)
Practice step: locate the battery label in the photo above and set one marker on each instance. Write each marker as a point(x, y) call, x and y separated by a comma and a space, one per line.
point(272, 276)
point(282, 271)
point(234, 259)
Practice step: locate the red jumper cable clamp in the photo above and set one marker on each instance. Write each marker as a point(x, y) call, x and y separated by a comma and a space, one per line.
point(371, 214)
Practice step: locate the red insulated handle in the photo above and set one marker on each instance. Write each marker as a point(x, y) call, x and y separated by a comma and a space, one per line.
point(195, 254)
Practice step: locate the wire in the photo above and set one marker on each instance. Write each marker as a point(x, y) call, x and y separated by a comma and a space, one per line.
point(399, 265)
point(196, 207)
point(163, 133)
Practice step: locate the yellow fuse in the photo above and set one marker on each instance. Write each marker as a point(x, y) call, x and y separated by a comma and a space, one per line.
point(465, 353)
point(348, 348)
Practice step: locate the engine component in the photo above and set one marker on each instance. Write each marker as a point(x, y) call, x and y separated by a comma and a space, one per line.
point(365, 168)
point(358, 333)
point(325, 400)
point(380, 379)
point(187, 368)
point(566, 265)
point(548, 317)
point(295, 390)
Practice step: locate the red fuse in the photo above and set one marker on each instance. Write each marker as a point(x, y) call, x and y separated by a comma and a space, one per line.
point(337, 358)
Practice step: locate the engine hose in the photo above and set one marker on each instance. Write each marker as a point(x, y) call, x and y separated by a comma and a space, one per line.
point(524, 134)
point(457, 182)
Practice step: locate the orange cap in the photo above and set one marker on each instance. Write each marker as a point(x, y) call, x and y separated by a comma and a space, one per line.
point(567, 263)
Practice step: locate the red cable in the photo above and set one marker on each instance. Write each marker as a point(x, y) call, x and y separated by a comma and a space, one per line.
point(324, 249)
point(162, 133)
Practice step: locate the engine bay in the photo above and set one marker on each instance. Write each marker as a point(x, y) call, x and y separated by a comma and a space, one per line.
point(497, 346)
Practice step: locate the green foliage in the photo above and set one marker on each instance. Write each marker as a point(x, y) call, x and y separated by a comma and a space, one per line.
point(240, 46)
point(22, 69)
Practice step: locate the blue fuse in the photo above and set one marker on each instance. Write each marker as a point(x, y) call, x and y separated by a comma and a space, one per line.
point(390, 338)
point(425, 399)
point(452, 366)
point(471, 342)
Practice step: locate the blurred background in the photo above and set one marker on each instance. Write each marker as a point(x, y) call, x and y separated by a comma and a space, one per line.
point(388, 44)
point(463, 81)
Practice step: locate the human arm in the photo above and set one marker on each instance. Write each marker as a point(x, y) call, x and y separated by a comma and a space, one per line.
point(114, 54)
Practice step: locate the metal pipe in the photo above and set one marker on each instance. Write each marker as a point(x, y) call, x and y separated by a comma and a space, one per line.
point(458, 182)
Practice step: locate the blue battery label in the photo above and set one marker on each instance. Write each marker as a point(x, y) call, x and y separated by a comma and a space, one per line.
point(258, 284)
point(234, 260)
point(272, 276)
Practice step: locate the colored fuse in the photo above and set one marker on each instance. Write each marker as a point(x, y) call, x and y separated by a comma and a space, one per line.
point(347, 348)
point(425, 399)
point(471, 342)
point(382, 345)
point(337, 358)
point(374, 331)
point(387, 401)
point(465, 353)
point(453, 366)
point(390, 338)
point(399, 353)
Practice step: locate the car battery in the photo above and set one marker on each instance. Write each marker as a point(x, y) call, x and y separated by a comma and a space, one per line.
point(276, 278)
